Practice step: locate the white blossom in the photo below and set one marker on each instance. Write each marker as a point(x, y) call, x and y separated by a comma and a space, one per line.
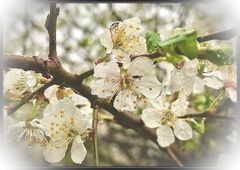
point(224, 77)
point(67, 124)
point(17, 82)
point(186, 78)
point(166, 118)
point(126, 84)
point(31, 131)
point(124, 38)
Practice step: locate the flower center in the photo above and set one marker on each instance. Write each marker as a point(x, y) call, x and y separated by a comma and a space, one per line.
point(126, 81)
point(167, 118)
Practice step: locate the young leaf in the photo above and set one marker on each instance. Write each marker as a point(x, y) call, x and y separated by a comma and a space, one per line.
point(152, 40)
point(184, 42)
point(219, 55)
point(198, 125)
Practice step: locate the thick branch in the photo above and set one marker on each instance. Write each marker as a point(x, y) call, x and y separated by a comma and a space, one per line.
point(63, 77)
point(51, 25)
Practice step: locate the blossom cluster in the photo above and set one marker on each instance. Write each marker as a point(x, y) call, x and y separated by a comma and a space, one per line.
point(64, 122)
point(126, 80)
point(132, 77)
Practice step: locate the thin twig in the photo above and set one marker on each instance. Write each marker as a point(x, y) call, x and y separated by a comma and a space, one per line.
point(51, 26)
point(209, 116)
point(29, 97)
point(174, 157)
point(94, 136)
point(223, 35)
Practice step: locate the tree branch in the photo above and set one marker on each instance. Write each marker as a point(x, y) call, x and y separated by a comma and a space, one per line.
point(174, 157)
point(223, 35)
point(209, 116)
point(94, 136)
point(51, 26)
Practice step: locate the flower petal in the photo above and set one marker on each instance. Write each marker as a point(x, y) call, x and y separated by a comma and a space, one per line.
point(190, 67)
point(232, 93)
point(141, 66)
point(83, 118)
point(149, 86)
point(151, 117)
point(78, 150)
point(160, 102)
point(53, 154)
point(103, 88)
point(213, 82)
point(165, 136)
point(180, 106)
point(106, 40)
point(125, 100)
point(198, 86)
point(122, 57)
point(80, 100)
point(50, 93)
point(187, 84)
point(106, 70)
point(182, 130)
point(175, 82)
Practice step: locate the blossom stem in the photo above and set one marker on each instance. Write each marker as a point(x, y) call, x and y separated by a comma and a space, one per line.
point(216, 99)
point(174, 157)
point(95, 141)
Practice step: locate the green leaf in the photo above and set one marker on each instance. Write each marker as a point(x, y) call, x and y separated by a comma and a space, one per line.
point(219, 55)
point(183, 42)
point(152, 40)
point(198, 125)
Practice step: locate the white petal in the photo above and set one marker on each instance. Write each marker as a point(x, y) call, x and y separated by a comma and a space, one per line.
point(83, 119)
point(80, 100)
point(160, 102)
point(31, 80)
point(50, 93)
point(106, 40)
point(198, 86)
point(180, 106)
point(132, 20)
point(106, 70)
point(78, 150)
point(67, 105)
point(232, 93)
point(165, 136)
point(169, 68)
point(54, 155)
point(190, 67)
point(104, 88)
point(213, 82)
point(149, 86)
point(122, 57)
point(182, 130)
point(141, 66)
point(11, 82)
point(125, 100)
point(151, 117)
point(175, 82)
point(187, 83)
